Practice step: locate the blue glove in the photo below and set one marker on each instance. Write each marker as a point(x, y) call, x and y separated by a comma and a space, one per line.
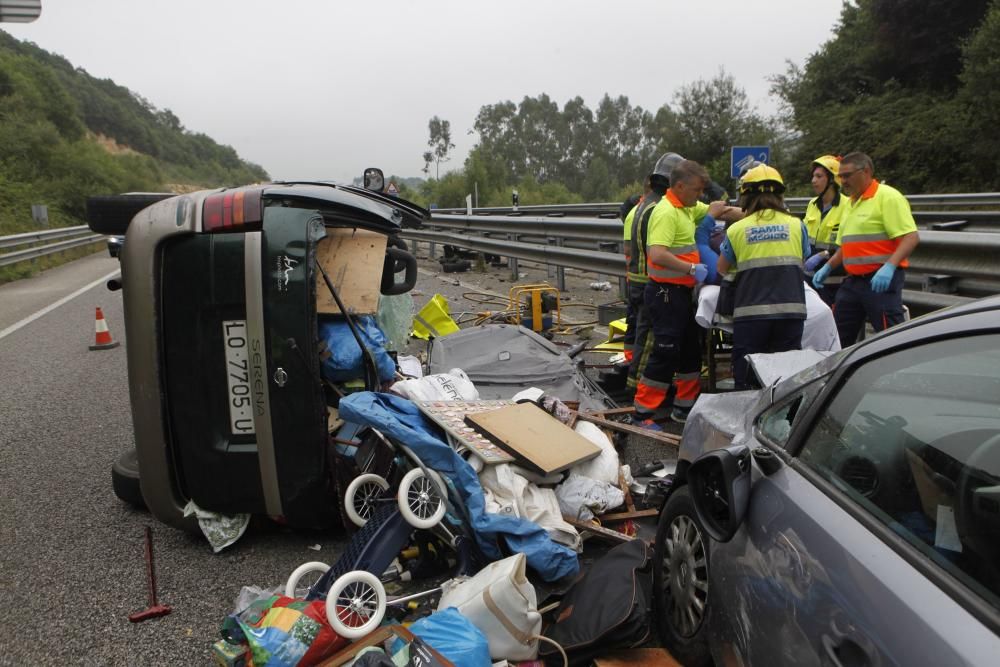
point(882, 278)
point(816, 261)
point(820, 276)
point(700, 272)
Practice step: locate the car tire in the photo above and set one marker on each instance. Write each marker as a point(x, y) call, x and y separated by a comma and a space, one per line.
point(125, 479)
point(680, 570)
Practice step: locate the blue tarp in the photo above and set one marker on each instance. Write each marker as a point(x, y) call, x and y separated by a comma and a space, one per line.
point(344, 361)
point(401, 420)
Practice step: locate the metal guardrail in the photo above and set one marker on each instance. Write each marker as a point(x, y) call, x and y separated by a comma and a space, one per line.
point(947, 267)
point(55, 240)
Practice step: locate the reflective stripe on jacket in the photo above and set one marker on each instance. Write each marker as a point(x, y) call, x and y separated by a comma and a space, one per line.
point(672, 225)
point(638, 237)
point(870, 232)
point(768, 249)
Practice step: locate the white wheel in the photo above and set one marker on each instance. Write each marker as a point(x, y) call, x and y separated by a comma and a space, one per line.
point(299, 582)
point(355, 604)
point(362, 494)
point(420, 502)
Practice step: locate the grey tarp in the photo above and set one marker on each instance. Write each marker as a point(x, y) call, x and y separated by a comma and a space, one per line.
point(503, 359)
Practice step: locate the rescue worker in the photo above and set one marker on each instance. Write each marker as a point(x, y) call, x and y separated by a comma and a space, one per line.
point(673, 267)
point(638, 345)
point(766, 249)
point(875, 239)
point(823, 216)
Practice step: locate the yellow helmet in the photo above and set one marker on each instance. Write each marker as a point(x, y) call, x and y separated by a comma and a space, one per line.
point(762, 178)
point(831, 163)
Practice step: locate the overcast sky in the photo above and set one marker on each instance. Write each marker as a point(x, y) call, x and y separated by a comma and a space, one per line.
point(321, 89)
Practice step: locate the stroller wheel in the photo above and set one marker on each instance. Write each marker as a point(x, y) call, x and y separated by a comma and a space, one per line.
point(420, 502)
point(355, 604)
point(300, 582)
point(362, 494)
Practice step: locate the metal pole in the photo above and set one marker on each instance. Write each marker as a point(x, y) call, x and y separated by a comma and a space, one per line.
point(512, 261)
point(560, 270)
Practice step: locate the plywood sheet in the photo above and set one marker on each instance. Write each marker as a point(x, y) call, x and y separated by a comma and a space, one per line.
point(353, 259)
point(534, 437)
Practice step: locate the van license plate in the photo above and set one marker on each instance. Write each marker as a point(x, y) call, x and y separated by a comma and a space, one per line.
point(234, 336)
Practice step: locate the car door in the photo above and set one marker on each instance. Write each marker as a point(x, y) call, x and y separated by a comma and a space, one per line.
point(878, 543)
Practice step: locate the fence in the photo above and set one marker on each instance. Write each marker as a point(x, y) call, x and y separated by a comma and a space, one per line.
point(958, 258)
point(52, 240)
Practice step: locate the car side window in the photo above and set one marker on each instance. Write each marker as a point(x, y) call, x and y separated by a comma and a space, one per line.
point(774, 425)
point(913, 438)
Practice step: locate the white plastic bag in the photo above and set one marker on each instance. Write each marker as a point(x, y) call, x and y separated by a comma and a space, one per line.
point(581, 497)
point(604, 468)
point(510, 494)
point(454, 385)
point(501, 602)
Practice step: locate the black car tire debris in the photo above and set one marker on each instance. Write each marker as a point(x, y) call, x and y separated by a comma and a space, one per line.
point(125, 479)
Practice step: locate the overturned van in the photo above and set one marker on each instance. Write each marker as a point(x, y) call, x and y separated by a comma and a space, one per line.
point(220, 295)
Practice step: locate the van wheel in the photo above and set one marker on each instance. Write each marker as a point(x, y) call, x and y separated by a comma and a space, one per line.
point(680, 581)
point(125, 479)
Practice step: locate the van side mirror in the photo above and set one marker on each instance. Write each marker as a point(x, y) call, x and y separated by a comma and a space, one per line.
point(398, 258)
point(374, 179)
point(720, 490)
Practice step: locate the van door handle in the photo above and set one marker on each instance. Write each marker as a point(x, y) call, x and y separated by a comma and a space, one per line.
point(845, 652)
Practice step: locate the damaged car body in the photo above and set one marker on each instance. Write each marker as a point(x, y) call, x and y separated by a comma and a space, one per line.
point(848, 514)
point(219, 290)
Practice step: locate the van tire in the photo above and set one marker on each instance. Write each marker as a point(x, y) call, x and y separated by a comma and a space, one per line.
point(125, 479)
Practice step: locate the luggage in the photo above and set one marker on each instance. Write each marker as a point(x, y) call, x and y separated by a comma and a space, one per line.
point(609, 607)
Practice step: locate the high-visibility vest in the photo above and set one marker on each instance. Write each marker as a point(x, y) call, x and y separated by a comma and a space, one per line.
point(639, 229)
point(672, 225)
point(870, 232)
point(768, 249)
point(823, 228)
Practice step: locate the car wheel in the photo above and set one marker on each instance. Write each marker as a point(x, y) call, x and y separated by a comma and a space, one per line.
point(125, 479)
point(680, 580)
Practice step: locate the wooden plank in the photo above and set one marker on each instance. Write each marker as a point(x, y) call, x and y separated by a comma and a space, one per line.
point(353, 259)
point(633, 514)
point(534, 437)
point(667, 438)
point(597, 531)
point(637, 657)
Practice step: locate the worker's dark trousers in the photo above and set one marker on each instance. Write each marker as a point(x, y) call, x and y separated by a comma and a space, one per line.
point(856, 301)
point(637, 334)
point(753, 336)
point(675, 349)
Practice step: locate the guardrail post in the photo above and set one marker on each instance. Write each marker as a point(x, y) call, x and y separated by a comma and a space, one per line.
point(559, 271)
point(512, 261)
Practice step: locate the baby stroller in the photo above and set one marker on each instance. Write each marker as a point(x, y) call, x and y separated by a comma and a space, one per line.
point(423, 500)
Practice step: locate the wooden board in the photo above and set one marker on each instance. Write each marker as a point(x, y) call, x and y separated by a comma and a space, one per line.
point(666, 438)
point(450, 416)
point(353, 259)
point(534, 437)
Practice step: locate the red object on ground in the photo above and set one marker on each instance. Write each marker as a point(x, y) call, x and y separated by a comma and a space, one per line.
point(103, 336)
point(155, 609)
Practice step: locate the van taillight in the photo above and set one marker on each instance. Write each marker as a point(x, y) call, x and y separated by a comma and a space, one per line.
point(232, 210)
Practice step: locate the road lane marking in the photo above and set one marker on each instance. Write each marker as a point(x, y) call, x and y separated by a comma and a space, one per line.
point(48, 309)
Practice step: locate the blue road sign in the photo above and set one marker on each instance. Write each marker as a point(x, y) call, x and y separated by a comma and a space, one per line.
point(742, 156)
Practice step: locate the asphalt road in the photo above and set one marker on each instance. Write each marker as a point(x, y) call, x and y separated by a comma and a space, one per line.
point(71, 554)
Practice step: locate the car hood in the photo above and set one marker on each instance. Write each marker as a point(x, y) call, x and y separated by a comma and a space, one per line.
point(718, 420)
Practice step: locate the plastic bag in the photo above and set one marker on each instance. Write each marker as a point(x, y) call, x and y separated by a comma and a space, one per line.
point(453, 636)
point(344, 361)
point(283, 632)
point(604, 468)
point(581, 497)
point(454, 385)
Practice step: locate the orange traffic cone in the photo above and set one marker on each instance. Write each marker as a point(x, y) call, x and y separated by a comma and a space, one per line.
point(103, 341)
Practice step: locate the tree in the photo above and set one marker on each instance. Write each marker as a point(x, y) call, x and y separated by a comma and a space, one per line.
point(440, 144)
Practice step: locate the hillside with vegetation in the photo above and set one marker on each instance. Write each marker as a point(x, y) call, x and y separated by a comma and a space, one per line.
point(66, 135)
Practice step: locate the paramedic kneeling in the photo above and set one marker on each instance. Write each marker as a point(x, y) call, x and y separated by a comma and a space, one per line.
point(876, 237)
point(766, 249)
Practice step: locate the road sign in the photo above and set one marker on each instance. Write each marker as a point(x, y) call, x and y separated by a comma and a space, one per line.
point(392, 189)
point(743, 156)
